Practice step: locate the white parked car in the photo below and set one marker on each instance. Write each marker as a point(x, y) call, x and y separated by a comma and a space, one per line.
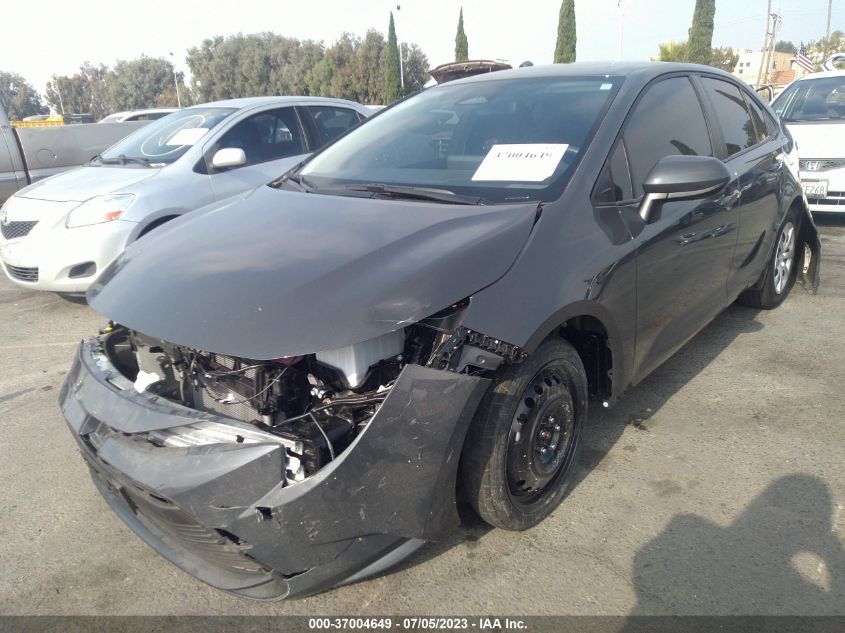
point(60, 233)
point(137, 115)
point(813, 109)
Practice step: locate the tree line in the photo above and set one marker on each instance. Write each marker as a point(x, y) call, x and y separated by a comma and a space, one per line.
point(364, 69)
point(361, 69)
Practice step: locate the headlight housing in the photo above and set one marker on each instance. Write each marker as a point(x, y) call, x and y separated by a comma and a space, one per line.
point(99, 209)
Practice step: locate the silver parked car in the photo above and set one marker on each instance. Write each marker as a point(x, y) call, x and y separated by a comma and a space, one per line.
point(151, 114)
point(59, 234)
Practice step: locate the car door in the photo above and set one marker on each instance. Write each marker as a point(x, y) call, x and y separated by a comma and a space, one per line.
point(684, 256)
point(756, 163)
point(273, 141)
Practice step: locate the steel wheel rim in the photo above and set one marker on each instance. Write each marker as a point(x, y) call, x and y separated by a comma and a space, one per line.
point(542, 437)
point(784, 257)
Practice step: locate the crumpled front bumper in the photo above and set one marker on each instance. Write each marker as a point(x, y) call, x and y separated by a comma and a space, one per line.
point(223, 513)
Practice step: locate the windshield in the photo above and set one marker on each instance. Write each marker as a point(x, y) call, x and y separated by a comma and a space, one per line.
point(165, 140)
point(501, 140)
point(821, 99)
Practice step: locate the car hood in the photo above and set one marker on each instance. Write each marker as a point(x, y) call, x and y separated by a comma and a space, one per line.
point(819, 140)
point(78, 185)
point(277, 273)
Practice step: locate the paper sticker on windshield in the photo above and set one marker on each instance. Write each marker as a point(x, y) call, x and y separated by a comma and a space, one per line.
point(187, 136)
point(528, 162)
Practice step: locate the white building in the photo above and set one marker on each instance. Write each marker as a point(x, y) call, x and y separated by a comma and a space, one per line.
point(782, 70)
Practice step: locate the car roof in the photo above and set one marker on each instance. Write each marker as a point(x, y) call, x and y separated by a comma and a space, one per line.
point(823, 74)
point(124, 113)
point(641, 71)
point(146, 110)
point(251, 102)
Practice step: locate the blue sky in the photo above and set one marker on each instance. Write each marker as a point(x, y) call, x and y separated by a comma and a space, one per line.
point(56, 37)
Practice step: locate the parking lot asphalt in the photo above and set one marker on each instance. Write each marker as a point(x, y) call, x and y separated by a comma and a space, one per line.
point(716, 486)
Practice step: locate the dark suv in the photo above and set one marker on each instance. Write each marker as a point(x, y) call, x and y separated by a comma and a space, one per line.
point(297, 384)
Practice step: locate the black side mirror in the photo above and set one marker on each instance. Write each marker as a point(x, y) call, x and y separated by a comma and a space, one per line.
point(677, 177)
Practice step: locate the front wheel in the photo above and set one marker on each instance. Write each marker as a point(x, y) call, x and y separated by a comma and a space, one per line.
point(781, 270)
point(522, 446)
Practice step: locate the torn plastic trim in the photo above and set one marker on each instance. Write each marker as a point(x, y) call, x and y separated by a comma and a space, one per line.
point(466, 348)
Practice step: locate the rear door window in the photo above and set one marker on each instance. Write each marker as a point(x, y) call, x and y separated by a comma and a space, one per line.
point(667, 121)
point(732, 115)
point(331, 121)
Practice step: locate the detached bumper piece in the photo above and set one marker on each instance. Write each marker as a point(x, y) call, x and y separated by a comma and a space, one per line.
point(225, 513)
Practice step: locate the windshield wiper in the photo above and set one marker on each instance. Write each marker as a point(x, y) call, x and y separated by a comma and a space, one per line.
point(293, 175)
point(302, 181)
point(122, 160)
point(417, 193)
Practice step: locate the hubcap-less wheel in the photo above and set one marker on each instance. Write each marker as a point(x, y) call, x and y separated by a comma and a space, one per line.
point(784, 257)
point(542, 437)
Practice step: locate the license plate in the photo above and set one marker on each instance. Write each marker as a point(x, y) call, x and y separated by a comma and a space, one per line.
point(816, 189)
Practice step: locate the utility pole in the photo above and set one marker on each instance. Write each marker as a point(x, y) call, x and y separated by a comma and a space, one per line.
point(621, 5)
point(175, 81)
point(827, 30)
point(776, 22)
point(401, 64)
point(59, 92)
point(768, 53)
point(765, 45)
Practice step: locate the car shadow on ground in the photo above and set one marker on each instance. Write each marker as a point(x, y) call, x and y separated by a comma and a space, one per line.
point(634, 408)
point(781, 556)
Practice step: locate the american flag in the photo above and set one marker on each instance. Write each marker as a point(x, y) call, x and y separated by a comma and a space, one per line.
point(802, 60)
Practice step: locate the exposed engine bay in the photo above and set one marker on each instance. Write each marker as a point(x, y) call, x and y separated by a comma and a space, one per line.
point(315, 404)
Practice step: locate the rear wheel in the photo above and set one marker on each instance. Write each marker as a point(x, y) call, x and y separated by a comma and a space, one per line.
point(781, 270)
point(521, 449)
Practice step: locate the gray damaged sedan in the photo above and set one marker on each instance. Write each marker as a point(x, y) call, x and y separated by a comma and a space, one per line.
point(297, 384)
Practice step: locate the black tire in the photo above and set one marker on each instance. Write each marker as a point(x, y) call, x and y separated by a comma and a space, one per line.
point(502, 455)
point(774, 287)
